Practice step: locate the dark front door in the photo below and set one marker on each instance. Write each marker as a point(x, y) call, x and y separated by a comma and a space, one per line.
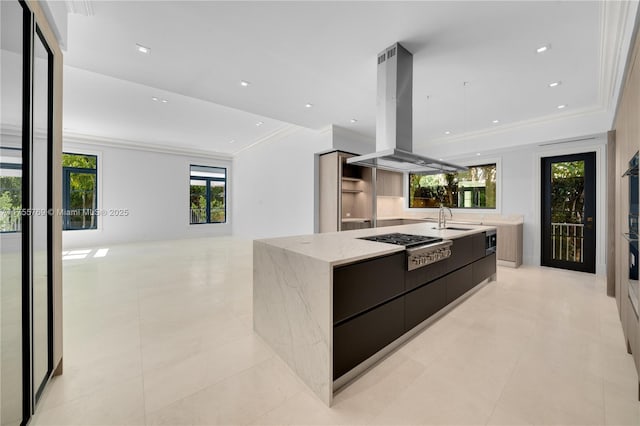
point(569, 212)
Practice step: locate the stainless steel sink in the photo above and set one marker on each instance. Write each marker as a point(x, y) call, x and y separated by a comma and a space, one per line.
point(453, 228)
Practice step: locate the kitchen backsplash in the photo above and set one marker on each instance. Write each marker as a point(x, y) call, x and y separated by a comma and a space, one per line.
point(390, 207)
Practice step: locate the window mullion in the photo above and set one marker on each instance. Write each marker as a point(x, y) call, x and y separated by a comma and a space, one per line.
point(208, 180)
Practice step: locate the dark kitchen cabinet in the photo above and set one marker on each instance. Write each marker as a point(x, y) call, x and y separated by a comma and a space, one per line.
point(425, 301)
point(363, 285)
point(376, 301)
point(484, 268)
point(461, 253)
point(479, 244)
point(459, 282)
point(356, 340)
point(421, 276)
point(466, 250)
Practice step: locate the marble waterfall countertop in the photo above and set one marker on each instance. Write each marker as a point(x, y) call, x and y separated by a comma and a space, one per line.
point(293, 292)
point(337, 248)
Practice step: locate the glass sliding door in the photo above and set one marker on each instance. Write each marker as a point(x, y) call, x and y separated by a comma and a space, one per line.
point(41, 202)
point(26, 197)
point(12, 16)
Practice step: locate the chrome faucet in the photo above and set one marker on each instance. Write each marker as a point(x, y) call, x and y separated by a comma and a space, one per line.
point(442, 217)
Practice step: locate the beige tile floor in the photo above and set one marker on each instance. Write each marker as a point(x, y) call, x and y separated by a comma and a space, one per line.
point(160, 334)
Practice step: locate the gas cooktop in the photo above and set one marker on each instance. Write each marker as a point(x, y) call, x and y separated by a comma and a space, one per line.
point(406, 240)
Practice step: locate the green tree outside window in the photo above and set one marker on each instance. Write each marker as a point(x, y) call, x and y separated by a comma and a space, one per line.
point(79, 191)
point(471, 189)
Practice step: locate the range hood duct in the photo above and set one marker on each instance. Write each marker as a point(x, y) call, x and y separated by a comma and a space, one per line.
point(394, 119)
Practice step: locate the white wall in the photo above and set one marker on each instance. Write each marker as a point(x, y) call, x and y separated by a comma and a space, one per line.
point(517, 194)
point(519, 170)
point(272, 189)
point(274, 184)
point(153, 186)
point(349, 141)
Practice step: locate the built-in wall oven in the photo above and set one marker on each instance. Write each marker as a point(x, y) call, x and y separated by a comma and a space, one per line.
point(632, 235)
point(491, 242)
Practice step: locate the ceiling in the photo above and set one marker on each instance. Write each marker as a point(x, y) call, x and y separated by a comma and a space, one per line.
point(324, 53)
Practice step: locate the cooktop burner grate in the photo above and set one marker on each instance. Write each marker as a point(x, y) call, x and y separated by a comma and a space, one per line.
point(406, 240)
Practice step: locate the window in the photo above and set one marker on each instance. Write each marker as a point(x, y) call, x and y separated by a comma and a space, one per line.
point(207, 195)
point(10, 189)
point(471, 189)
point(79, 191)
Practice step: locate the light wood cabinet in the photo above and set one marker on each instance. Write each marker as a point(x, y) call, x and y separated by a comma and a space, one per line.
point(627, 135)
point(388, 183)
point(509, 248)
point(344, 192)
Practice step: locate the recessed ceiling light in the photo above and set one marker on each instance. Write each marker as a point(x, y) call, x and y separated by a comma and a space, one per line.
point(232, 141)
point(155, 99)
point(142, 49)
point(447, 132)
point(164, 101)
point(555, 84)
point(259, 123)
point(477, 153)
point(544, 48)
point(495, 121)
point(563, 106)
point(440, 159)
point(308, 105)
point(353, 120)
point(244, 83)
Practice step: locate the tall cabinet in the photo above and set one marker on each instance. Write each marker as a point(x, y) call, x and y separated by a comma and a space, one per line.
point(346, 200)
point(627, 144)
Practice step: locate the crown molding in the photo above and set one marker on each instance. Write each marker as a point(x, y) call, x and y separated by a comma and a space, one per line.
point(551, 118)
point(77, 138)
point(616, 25)
point(277, 134)
point(11, 130)
point(614, 28)
point(80, 7)
point(85, 139)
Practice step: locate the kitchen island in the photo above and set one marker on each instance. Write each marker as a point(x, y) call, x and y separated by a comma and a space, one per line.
point(332, 304)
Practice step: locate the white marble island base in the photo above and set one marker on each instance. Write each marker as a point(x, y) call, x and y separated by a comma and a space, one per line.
point(293, 294)
point(292, 312)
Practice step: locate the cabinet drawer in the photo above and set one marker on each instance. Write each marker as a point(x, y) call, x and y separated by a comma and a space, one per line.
point(484, 268)
point(423, 302)
point(461, 253)
point(356, 340)
point(479, 245)
point(363, 285)
point(426, 274)
point(459, 282)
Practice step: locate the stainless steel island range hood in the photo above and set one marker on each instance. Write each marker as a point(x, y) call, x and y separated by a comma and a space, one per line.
point(394, 119)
